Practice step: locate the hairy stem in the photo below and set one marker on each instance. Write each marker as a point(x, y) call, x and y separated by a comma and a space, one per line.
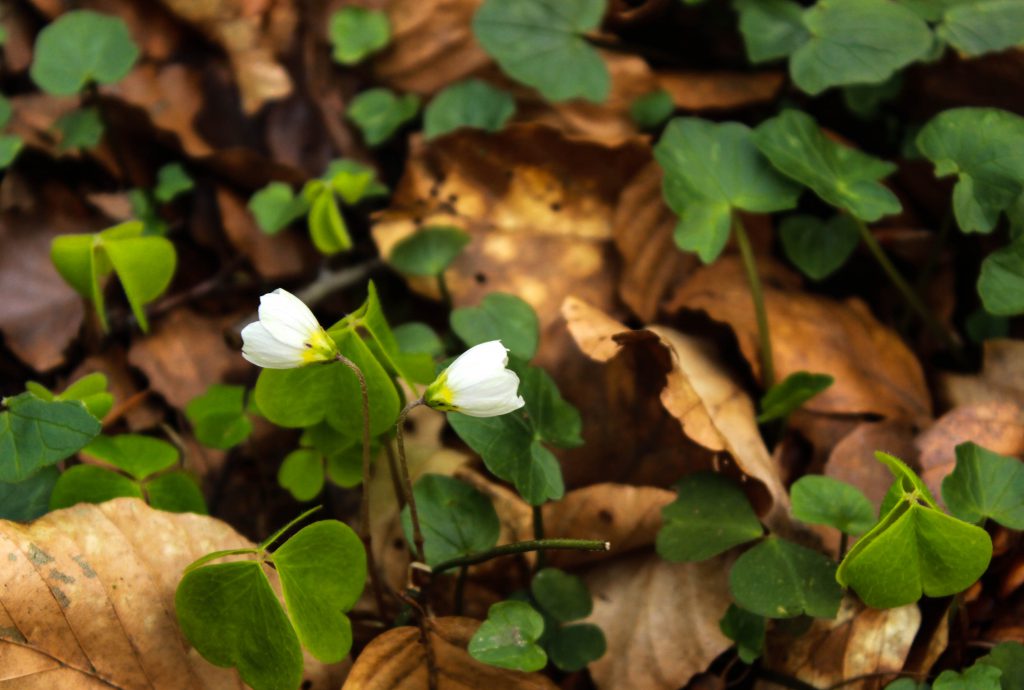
point(538, 534)
point(757, 295)
point(403, 467)
point(364, 507)
point(522, 547)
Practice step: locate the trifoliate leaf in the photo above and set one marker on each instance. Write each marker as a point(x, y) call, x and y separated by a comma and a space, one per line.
point(380, 112)
point(472, 104)
point(508, 638)
point(983, 26)
point(175, 492)
point(218, 416)
point(554, 420)
point(541, 44)
point(572, 647)
point(985, 485)
point(302, 474)
point(842, 176)
point(710, 516)
point(79, 129)
point(356, 33)
point(821, 500)
point(140, 456)
point(26, 500)
point(327, 226)
point(429, 251)
point(787, 395)
point(819, 248)
point(562, 596)
point(652, 109)
point(780, 579)
point(1008, 657)
point(712, 170)
point(353, 181)
point(1001, 283)
point(500, 316)
point(275, 207)
point(771, 29)
point(79, 47)
point(35, 433)
point(746, 629)
point(455, 518)
point(857, 42)
point(172, 181)
point(90, 390)
point(91, 484)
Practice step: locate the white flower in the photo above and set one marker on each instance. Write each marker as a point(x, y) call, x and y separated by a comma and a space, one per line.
point(287, 334)
point(477, 383)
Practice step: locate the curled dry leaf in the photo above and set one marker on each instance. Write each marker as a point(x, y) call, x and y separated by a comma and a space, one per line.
point(875, 372)
point(397, 660)
point(998, 426)
point(709, 406)
point(87, 600)
point(856, 642)
point(660, 620)
point(1001, 377)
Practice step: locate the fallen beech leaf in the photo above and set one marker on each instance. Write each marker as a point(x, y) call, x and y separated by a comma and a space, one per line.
point(997, 426)
point(702, 91)
point(660, 620)
point(874, 371)
point(857, 641)
point(852, 460)
point(397, 660)
point(643, 230)
point(1001, 377)
point(274, 257)
point(87, 599)
point(184, 353)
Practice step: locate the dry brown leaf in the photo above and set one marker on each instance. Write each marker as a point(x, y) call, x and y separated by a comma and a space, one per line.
point(852, 460)
point(1001, 377)
point(274, 257)
point(660, 620)
point(857, 641)
point(19, 27)
point(998, 426)
point(700, 91)
point(87, 600)
point(874, 371)
point(397, 660)
point(186, 353)
point(711, 409)
point(131, 402)
point(652, 265)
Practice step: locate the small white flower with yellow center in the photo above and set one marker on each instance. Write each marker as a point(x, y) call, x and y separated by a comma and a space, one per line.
point(287, 334)
point(477, 384)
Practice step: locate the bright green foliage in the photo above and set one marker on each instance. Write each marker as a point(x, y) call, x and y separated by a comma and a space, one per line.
point(90, 390)
point(175, 492)
point(712, 170)
point(780, 579)
point(819, 248)
point(746, 629)
point(430, 251)
point(144, 264)
point(356, 33)
point(90, 484)
point(985, 485)
point(1008, 657)
point(327, 226)
point(508, 638)
point(456, 519)
point(771, 29)
point(323, 454)
point(977, 677)
point(793, 391)
point(418, 337)
point(302, 474)
point(379, 113)
point(652, 109)
point(541, 44)
point(564, 597)
point(81, 47)
point(572, 647)
point(842, 176)
point(139, 456)
point(230, 614)
point(28, 499)
point(983, 26)
point(35, 433)
point(710, 515)
point(172, 181)
point(218, 416)
point(276, 206)
point(857, 42)
point(821, 500)
point(353, 181)
point(1001, 283)
point(914, 549)
point(511, 445)
point(473, 104)
point(79, 129)
point(503, 317)
point(984, 148)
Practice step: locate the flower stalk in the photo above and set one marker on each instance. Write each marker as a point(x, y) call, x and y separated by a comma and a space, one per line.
point(406, 480)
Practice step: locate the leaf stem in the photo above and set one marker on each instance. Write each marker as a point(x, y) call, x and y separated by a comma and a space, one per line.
point(538, 533)
point(364, 507)
point(757, 295)
point(522, 547)
point(442, 287)
point(403, 466)
point(904, 288)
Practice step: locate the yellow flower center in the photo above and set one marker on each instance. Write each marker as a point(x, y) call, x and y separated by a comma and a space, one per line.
point(319, 348)
point(439, 395)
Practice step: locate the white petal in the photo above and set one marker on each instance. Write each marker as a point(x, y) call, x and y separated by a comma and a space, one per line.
point(264, 350)
point(480, 384)
point(477, 363)
point(287, 318)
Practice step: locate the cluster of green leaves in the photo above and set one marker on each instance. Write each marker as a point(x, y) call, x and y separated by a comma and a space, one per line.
point(1000, 669)
point(526, 631)
point(277, 206)
point(220, 416)
point(144, 264)
point(231, 615)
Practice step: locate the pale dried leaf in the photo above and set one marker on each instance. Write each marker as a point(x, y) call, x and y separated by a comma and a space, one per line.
point(1001, 377)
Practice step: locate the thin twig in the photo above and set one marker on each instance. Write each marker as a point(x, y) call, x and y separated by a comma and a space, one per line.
point(757, 295)
point(364, 510)
point(523, 547)
point(403, 466)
